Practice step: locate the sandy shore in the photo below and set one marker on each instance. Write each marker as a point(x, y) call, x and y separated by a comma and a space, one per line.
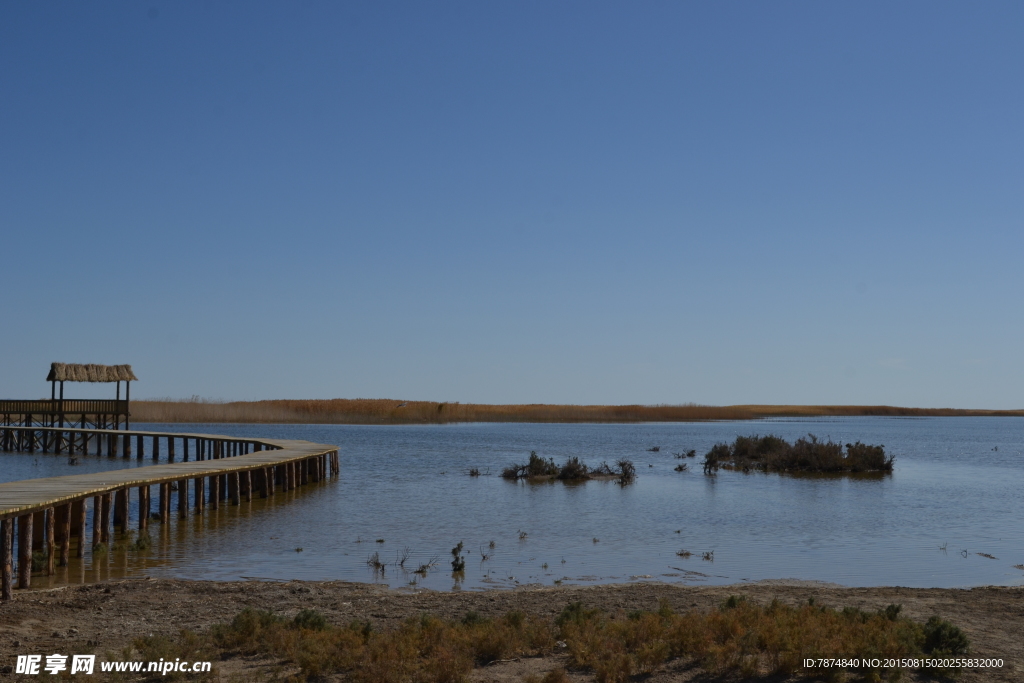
point(106, 617)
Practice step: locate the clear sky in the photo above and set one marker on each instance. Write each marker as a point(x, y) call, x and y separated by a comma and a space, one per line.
point(572, 202)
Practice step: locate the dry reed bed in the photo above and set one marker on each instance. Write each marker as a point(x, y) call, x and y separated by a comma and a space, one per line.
point(388, 411)
point(740, 638)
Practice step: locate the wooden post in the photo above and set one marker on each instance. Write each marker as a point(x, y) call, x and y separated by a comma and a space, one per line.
point(51, 527)
point(199, 495)
point(184, 448)
point(143, 508)
point(97, 520)
point(183, 498)
point(126, 499)
point(165, 502)
point(126, 446)
point(247, 485)
point(214, 493)
point(233, 483)
point(7, 559)
point(65, 534)
point(138, 447)
point(156, 448)
point(25, 551)
point(83, 511)
point(217, 449)
point(105, 521)
point(270, 473)
point(118, 509)
point(170, 449)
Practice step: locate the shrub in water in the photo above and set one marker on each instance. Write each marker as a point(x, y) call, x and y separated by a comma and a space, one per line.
point(574, 470)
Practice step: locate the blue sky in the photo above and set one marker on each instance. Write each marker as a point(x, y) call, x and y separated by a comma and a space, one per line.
point(587, 202)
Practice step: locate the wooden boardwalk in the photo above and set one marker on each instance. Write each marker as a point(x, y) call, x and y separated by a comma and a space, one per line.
point(225, 470)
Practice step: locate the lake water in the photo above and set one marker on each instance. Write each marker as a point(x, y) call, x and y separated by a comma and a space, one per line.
point(957, 485)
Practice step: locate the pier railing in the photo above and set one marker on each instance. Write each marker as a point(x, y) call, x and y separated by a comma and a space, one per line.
point(223, 470)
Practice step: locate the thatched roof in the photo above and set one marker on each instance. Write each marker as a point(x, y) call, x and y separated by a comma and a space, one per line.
point(75, 372)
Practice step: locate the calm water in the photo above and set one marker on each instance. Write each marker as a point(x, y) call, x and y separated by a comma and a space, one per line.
point(958, 483)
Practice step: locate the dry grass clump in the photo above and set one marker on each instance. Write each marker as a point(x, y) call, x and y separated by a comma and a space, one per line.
point(422, 649)
point(739, 638)
point(746, 638)
point(808, 454)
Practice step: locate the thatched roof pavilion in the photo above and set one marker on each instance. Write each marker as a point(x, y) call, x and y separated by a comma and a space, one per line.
point(76, 372)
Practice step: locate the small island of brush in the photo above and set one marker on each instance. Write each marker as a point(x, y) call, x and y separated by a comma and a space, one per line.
point(807, 455)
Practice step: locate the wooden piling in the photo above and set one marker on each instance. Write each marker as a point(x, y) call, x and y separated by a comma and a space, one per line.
point(143, 508)
point(105, 521)
point(165, 502)
point(214, 493)
point(199, 494)
point(97, 520)
point(247, 485)
point(156, 448)
point(138, 447)
point(51, 527)
point(64, 529)
point(25, 551)
point(83, 511)
point(184, 448)
point(170, 449)
point(183, 498)
point(7, 559)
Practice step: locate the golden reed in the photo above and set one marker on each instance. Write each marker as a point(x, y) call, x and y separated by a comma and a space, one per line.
point(388, 411)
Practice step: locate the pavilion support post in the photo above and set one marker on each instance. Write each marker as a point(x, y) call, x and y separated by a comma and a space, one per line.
point(25, 551)
point(51, 528)
point(183, 498)
point(65, 534)
point(7, 559)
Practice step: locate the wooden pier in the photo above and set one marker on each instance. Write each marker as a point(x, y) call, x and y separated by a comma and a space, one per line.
point(222, 470)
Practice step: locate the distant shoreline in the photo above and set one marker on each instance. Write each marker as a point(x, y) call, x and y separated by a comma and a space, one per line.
point(391, 411)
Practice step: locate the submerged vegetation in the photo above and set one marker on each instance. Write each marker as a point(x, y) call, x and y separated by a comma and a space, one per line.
point(388, 411)
point(774, 454)
point(573, 470)
point(740, 638)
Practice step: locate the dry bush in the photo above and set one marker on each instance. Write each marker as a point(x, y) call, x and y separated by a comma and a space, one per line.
point(740, 638)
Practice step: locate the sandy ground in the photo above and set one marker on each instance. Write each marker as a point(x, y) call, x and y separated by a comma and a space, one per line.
point(106, 617)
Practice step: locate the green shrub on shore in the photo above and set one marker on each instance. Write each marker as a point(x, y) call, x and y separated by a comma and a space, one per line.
point(808, 454)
